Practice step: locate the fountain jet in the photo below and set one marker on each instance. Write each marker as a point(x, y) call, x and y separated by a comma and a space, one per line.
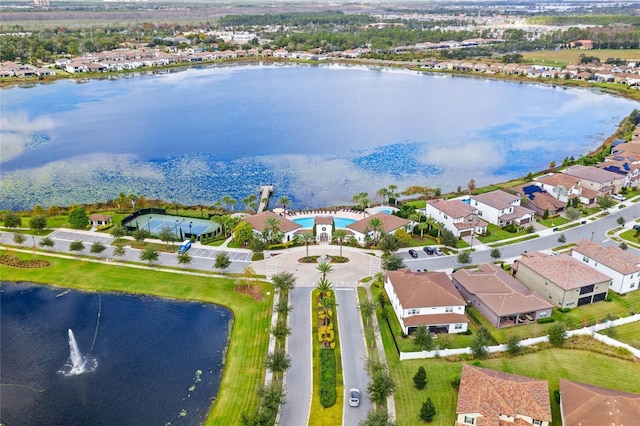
point(77, 363)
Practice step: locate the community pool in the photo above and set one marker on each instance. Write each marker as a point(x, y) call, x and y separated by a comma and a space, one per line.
point(305, 222)
point(308, 222)
point(387, 210)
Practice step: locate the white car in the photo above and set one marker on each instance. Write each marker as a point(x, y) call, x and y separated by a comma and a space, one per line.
point(354, 397)
point(619, 197)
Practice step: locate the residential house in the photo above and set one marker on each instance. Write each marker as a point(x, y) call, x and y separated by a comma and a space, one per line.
point(564, 188)
point(566, 281)
point(426, 298)
point(499, 297)
point(97, 219)
point(501, 208)
point(539, 200)
point(626, 166)
point(363, 230)
point(588, 405)
point(260, 226)
point(456, 216)
point(621, 266)
point(603, 181)
point(493, 398)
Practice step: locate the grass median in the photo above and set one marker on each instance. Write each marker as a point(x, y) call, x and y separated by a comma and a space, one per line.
point(245, 363)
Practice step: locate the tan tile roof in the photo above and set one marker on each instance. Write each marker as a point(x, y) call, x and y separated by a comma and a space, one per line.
point(502, 293)
point(424, 289)
point(497, 199)
point(389, 222)
point(587, 405)
point(453, 208)
point(614, 257)
point(492, 393)
point(257, 222)
point(324, 220)
point(563, 270)
point(633, 147)
point(558, 179)
point(591, 173)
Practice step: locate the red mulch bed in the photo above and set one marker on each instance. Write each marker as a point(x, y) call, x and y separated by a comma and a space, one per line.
point(252, 291)
point(24, 264)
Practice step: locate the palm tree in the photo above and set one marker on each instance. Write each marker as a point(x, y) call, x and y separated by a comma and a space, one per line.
point(284, 201)
point(340, 235)
point(377, 227)
point(307, 238)
point(283, 281)
point(249, 201)
point(323, 286)
point(272, 227)
point(326, 305)
point(133, 198)
point(382, 193)
point(324, 268)
point(362, 201)
point(227, 201)
point(367, 307)
point(278, 361)
point(393, 194)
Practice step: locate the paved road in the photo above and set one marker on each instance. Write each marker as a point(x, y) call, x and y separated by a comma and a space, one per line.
point(354, 355)
point(203, 257)
point(592, 230)
point(299, 377)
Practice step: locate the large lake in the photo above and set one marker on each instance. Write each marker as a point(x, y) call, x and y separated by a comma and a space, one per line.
point(159, 362)
point(319, 133)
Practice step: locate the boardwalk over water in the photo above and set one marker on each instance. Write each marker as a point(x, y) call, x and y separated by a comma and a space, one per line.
point(266, 191)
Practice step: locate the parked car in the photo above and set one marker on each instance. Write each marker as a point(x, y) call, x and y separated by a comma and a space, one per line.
point(437, 251)
point(636, 227)
point(354, 397)
point(428, 250)
point(413, 253)
point(619, 197)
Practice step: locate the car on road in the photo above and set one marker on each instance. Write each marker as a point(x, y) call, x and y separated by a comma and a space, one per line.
point(428, 250)
point(413, 253)
point(438, 252)
point(354, 397)
point(636, 227)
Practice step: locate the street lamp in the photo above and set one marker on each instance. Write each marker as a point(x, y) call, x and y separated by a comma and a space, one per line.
point(149, 225)
point(34, 242)
point(175, 227)
point(190, 223)
point(592, 235)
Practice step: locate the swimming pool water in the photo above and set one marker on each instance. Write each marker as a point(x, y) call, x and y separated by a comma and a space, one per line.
point(308, 222)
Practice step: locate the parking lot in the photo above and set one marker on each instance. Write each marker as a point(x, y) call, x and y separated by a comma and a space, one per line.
point(63, 235)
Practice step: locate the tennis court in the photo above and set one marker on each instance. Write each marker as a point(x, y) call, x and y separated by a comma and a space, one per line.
point(181, 226)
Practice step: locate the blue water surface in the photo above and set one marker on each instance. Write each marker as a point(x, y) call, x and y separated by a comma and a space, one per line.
point(318, 133)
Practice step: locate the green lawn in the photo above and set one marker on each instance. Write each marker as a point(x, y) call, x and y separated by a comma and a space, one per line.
point(496, 233)
point(629, 334)
point(244, 368)
point(552, 222)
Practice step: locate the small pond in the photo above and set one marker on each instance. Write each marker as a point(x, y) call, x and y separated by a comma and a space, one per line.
point(157, 361)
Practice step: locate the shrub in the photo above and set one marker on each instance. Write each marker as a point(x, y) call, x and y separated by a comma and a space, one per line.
point(545, 320)
point(557, 335)
point(455, 382)
point(327, 377)
point(420, 378)
point(564, 310)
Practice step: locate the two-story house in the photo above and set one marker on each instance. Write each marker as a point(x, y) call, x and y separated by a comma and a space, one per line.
point(623, 267)
point(501, 208)
point(566, 282)
point(426, 299)
point(493, 398)
point(456, 216)
point(603, 181)
point(564, 187)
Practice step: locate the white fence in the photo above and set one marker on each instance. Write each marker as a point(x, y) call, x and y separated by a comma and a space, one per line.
point(592, 331)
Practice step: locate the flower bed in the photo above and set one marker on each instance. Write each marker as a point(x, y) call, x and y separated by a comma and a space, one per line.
point(14, 262)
